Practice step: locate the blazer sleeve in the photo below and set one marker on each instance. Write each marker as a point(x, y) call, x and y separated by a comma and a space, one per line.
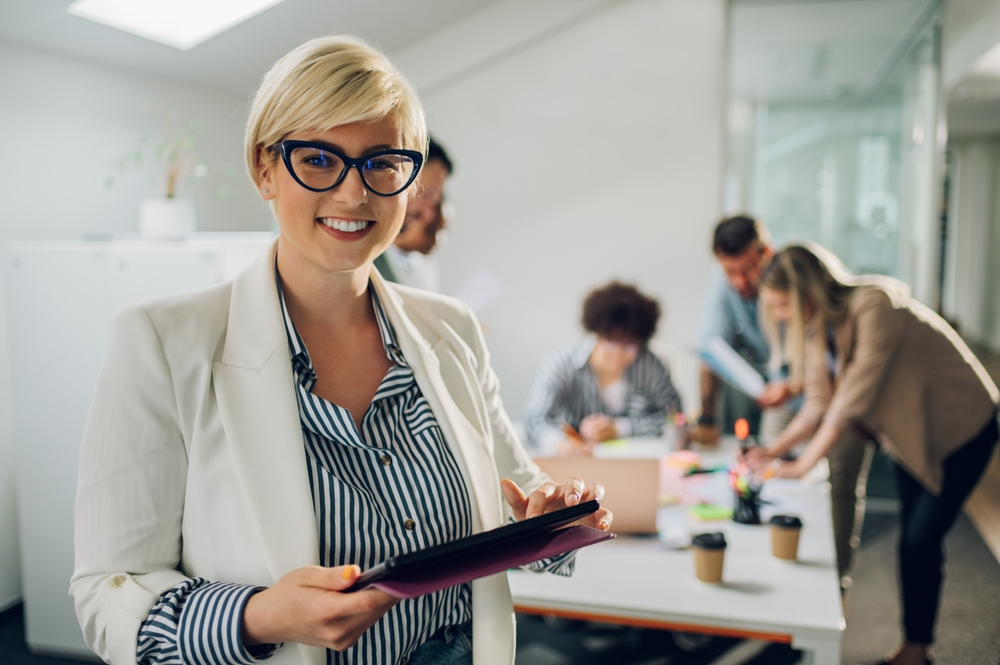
point(130, 492)
point(877, 335)
point(818, 388)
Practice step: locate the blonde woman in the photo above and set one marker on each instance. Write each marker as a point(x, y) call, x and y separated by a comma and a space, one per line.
point(872, 358)
point(252, 445)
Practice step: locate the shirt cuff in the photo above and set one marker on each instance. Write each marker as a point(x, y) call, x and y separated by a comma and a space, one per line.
point(624, 427)
point(562, 565)
point(211, 627)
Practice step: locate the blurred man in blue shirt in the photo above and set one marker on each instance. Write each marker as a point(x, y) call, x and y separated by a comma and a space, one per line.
point(742, 247)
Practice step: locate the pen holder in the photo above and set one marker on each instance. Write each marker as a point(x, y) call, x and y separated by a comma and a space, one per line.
point(747, 508)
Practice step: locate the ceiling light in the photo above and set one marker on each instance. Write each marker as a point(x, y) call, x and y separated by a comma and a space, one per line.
point(182, 24)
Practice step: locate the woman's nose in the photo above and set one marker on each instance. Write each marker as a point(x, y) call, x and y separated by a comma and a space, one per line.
point(351, 189)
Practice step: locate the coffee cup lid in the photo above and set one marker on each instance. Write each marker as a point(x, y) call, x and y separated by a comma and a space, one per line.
point(710, 541)
point(786, 521)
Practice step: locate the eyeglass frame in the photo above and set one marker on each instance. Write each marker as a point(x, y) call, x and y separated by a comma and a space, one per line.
point(285, 148)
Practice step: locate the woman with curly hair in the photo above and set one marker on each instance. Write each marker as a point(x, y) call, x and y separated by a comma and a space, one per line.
point(607, 386)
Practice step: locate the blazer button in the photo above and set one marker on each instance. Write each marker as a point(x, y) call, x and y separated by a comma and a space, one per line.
point(386, 460)
point(409, 524)
point(118, 581)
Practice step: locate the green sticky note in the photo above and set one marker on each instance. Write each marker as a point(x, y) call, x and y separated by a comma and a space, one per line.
point(705, 512)
point(617, 443)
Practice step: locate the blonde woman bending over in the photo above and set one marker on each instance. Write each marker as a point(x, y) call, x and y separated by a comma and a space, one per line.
point(253, 446)
point(873, 358)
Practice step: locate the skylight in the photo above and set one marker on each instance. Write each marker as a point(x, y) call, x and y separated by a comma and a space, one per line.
point(182, 24)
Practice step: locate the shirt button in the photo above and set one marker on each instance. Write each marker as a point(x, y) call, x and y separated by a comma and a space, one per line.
point(386, 460)
point(118, 581)
point(404, 660)
point(409, 524)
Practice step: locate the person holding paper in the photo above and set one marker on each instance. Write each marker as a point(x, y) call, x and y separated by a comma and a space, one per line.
point(874, 359)
point(607, 386)
point(742, 246)
point(251, 447)
point(409, 259)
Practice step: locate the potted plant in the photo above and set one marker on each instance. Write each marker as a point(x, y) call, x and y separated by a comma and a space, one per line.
point(169, 152)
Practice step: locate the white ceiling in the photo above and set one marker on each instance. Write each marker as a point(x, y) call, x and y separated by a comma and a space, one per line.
point(810, 50)
point(236, 59)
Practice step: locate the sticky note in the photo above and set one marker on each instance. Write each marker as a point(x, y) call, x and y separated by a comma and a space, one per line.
point(705, 512)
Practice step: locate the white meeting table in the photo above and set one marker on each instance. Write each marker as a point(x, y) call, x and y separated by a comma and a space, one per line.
point(649, 582)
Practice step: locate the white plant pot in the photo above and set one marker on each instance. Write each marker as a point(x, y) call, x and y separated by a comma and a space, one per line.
point(166, 219)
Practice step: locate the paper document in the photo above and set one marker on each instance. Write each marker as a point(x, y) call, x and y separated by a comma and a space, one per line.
point(731, 367)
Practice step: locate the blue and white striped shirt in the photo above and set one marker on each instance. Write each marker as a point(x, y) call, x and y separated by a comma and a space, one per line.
point(390, 488)
point(565, 390)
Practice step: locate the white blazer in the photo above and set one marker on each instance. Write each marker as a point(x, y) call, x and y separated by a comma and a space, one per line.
point(193, 463)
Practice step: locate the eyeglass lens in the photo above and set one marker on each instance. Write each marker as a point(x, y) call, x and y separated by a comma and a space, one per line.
point(320, 169)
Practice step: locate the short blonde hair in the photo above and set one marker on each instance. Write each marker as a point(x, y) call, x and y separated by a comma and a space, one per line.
point(325, 83)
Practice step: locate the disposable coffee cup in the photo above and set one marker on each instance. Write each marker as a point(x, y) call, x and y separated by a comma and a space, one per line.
point(785, 530)
point(709, 551)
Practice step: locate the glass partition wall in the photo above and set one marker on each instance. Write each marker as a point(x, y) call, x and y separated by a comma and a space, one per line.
point(832, 138)
point(831, 131)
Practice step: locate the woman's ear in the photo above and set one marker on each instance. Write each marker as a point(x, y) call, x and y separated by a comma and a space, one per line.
point(265, 175)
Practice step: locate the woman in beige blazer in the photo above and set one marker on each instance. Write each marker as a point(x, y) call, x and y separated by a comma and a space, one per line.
point(210, 483)
point(874, 359)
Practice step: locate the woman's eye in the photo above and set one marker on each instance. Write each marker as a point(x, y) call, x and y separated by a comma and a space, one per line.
point(380, 165)
point(319, 161)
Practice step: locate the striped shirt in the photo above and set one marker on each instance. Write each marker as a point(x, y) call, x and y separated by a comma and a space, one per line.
point(565, 390)
point(390, 488)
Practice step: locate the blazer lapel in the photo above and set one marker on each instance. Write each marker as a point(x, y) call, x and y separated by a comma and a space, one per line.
point(438, 373)
point(254, 384)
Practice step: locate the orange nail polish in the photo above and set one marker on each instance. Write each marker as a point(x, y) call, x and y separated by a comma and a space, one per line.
point(350, 572)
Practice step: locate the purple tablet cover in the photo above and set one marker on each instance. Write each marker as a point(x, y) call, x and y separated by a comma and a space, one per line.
point(452, 571)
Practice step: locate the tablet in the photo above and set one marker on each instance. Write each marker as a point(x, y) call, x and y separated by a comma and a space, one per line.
point(482, 554)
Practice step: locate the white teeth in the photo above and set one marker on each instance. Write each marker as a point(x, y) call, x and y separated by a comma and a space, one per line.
point(341, 225)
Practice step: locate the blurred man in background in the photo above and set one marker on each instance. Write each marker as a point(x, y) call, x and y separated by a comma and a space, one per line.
point(408, 260)
point(742, 247)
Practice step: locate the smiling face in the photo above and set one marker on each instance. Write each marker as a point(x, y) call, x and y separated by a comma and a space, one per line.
point(344, 229)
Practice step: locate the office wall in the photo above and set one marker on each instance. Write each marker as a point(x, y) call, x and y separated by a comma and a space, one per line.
point(65, 123)
point(588, 142)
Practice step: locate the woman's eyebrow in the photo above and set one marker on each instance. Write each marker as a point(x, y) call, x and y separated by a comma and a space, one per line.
point(367, 151)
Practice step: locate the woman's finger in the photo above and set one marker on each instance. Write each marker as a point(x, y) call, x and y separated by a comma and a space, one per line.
point(595, 491)
point(539, 499)
point(572, 491)
point(603, 519)
point(514, 496)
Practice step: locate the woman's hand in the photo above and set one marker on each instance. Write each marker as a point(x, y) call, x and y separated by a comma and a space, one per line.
point(307, 606)
point(598, 427)
point(550, 497)
point(774, 394)
point(757, 459)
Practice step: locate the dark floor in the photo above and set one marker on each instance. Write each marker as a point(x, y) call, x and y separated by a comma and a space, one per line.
point(968, 624)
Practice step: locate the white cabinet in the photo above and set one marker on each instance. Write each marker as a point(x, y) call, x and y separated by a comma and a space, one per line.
point(61, 298)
